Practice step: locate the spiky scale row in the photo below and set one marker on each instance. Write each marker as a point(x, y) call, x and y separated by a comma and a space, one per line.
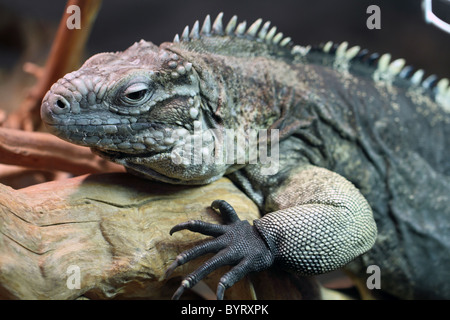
point(240, 29)
point(383, 63)
point(233, 29)
point(231, 25)
point(443, 85)
point(218, 25)
point(206, 28)
point(263, 32)
point(195, 31)
point(406, 72)
point(253, 29)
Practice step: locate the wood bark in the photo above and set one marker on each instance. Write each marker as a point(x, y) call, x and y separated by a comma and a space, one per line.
point(114, 229)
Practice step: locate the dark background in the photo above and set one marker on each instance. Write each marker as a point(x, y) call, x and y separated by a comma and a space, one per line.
point(403, 30)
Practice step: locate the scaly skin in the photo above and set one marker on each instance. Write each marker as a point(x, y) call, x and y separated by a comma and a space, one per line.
point(348, 147)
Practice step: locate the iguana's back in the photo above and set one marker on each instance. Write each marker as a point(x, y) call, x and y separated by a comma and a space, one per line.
point(390, 137)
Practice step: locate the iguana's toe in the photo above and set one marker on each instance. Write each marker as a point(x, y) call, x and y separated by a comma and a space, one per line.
point(237, 243)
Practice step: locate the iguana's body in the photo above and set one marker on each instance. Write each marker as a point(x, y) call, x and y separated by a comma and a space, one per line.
point(386, 132)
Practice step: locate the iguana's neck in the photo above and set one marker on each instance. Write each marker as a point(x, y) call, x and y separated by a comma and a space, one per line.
point(245, 92)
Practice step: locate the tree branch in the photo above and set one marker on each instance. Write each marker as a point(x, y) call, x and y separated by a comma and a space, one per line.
point(44, 151)
point(64, 57)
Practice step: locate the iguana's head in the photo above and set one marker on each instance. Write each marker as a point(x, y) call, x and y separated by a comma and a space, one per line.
point(162, 111)
point(133, 107)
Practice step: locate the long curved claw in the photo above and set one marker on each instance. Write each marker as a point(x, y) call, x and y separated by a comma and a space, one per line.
point(195, 252)
point(179, 292)
point(224, 257)
point(237, 243)
point(199, 226)
point(220, 291)
point(234, 275)
point(229, 215)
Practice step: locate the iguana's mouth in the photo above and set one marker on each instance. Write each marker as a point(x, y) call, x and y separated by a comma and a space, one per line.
point(113, 155)
point(141, 170)
point(151, 174)
point(118, 140)
point(143, 165)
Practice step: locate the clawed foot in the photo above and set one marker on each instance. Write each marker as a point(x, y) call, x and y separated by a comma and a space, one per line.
point(236, 243)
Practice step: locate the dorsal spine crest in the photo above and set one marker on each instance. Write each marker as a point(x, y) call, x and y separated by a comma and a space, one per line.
point(339, 54)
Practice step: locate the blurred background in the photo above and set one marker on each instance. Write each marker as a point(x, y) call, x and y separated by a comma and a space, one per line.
point(27, 29)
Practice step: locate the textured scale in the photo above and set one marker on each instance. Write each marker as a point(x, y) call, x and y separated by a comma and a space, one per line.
point(320, 216)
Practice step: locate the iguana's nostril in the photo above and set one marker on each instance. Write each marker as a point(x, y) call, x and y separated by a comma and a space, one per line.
point(57, 103)
point(61, 104)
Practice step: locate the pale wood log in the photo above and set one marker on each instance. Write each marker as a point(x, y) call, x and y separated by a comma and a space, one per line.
point(114, 227)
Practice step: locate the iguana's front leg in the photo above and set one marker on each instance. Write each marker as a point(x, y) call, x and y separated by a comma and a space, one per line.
point(321, 223)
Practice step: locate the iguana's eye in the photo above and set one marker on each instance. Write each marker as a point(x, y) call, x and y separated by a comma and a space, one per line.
point(136, 93)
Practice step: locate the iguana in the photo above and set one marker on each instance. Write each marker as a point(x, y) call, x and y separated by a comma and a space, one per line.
point(363, 147)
